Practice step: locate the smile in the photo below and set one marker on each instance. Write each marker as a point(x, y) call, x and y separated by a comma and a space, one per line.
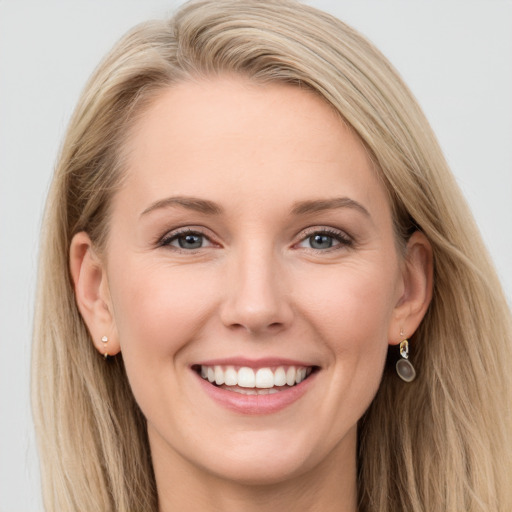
point(255, 387)
point(252, 381)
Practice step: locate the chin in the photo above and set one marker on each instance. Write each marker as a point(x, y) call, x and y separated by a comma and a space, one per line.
point(261, 469)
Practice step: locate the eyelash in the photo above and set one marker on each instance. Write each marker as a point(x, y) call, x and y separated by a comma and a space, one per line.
point(344, 240)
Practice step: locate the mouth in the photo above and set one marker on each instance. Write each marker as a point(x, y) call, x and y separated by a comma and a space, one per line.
point(254, 381)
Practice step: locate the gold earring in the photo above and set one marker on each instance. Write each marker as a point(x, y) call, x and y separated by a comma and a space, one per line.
point(104, 340)
point(404, 367)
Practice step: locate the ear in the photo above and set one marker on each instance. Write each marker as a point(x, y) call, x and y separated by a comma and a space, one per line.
point(417, 279)
point(92, 293)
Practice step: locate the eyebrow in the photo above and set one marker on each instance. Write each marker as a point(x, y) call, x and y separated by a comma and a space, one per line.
point(305, 207)
point(299, 208)
point(189, 203)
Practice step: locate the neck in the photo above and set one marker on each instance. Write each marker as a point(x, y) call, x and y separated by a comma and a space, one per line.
point(329, 486)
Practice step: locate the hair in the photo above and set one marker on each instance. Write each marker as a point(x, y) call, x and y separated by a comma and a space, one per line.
point(442, 442)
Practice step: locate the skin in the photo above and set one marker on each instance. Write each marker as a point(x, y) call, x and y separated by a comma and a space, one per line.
point(258, 287)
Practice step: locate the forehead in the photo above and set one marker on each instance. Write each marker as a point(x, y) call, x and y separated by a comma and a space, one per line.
point(210, 136)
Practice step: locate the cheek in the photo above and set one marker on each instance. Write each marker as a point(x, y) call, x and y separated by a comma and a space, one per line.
point(353, 304)
point(157, 310)
point(351, 311)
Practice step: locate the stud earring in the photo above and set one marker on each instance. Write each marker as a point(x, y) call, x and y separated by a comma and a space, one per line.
point(404, 367)
point(104, 340)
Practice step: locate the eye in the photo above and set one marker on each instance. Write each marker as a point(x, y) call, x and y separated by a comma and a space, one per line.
point(186, 240)
point(321, 240)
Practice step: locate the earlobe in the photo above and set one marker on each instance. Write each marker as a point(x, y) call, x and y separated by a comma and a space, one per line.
point(92, 293)
point(417, 275)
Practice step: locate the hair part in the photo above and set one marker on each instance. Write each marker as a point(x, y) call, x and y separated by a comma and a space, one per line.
point(440, 443)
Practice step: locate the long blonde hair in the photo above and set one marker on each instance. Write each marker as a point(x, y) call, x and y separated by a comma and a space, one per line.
point(440, 443)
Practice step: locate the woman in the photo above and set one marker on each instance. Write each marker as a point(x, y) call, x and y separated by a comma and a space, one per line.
point(253, 209)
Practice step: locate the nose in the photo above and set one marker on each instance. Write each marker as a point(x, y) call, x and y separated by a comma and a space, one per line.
point(257, 298)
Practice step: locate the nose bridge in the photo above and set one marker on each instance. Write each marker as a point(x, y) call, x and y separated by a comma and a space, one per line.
point(256, 298)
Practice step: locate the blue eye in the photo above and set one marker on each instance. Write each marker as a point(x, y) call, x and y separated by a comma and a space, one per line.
point(325, 240)
point(188, 240)
point(320, 241)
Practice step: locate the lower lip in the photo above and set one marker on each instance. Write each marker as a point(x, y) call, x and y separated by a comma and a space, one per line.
point(256, 404)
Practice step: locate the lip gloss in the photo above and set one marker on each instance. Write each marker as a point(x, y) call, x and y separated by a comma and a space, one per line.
point(256, 404)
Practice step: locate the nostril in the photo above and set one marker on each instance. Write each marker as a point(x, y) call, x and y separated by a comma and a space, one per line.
point(271, 328)
point(255, 328)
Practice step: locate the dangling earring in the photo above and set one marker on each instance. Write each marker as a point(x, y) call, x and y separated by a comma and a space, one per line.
point(104, 340)
point(404, 367)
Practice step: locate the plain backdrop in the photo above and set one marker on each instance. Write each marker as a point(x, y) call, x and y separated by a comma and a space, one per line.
point(455, 55)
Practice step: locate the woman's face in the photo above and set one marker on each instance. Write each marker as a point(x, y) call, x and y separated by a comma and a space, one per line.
point(252, 243)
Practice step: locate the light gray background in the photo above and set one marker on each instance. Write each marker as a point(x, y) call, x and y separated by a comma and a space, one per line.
point(455, 55)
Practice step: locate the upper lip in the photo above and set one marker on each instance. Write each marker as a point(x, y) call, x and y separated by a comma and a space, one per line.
point(265, 362)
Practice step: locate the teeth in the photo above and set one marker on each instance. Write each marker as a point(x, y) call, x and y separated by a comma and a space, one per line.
point(300, 376)
point(246, 379)
point(251, 391)
point(264, 378)
point(219, 376)
point(280, 377)
point(230, 376)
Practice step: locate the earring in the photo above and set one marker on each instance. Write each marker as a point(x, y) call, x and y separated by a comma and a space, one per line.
point(404, 367)
point(104, 340)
